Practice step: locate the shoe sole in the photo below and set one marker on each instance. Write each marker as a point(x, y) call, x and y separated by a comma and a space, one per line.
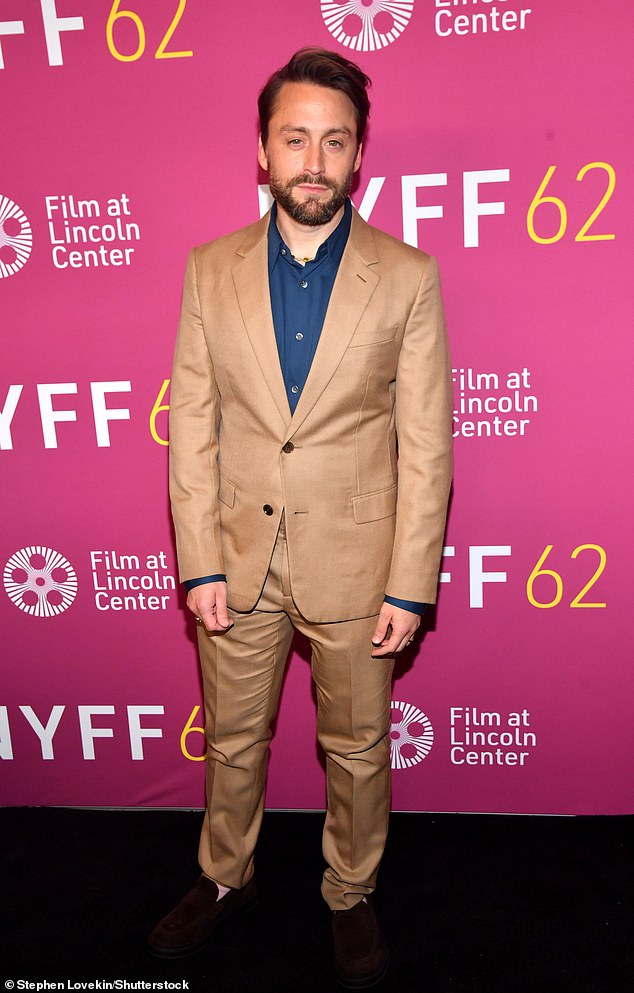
point(184, 951)
point(365, 982)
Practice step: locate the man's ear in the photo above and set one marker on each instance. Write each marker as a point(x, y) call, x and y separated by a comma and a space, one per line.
point(262, 156)
point(357, 161)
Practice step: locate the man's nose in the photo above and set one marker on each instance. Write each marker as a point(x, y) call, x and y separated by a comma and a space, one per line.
point(314, 159)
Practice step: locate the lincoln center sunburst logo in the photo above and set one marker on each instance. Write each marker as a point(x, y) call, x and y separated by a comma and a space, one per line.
point(40, 581)
point(16, 237)
point(366, 25)
point(411, 735)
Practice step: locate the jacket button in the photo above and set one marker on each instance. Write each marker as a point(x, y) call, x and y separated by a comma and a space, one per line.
point(288, 447)
point(267, 508)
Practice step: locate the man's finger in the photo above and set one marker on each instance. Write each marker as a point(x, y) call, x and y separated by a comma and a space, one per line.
point(387, 646)
point(222, 615)
point(212, 622)
point(380, 634)
point(383, 628)
point(397, 641)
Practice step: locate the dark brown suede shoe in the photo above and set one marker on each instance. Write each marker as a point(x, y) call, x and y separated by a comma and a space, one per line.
point(192, 922)
point(361, 956)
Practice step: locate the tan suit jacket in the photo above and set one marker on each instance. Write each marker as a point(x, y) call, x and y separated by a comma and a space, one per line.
point(357, 529)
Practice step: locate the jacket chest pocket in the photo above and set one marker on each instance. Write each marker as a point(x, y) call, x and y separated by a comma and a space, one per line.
point(373, 336)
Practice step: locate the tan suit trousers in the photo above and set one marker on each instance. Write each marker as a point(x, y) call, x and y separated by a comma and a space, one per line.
point(242, 677)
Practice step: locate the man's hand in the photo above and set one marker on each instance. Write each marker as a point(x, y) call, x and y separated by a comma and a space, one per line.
point(394, 630)
point(208, 603)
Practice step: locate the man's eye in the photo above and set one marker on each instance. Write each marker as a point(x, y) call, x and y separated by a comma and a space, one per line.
point(295, 141)
point(334, 143)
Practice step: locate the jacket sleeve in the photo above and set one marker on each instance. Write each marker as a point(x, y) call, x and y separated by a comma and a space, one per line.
point(194, 425)
point(423, 426)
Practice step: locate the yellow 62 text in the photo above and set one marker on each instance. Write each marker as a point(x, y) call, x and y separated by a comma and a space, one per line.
point(129, 15)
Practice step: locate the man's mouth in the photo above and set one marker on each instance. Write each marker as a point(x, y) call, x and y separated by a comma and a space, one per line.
point(311, 188)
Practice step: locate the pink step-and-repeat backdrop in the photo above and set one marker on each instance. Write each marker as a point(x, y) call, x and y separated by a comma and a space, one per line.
point(501, 142)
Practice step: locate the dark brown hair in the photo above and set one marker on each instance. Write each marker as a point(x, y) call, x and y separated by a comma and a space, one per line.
point(323, 68)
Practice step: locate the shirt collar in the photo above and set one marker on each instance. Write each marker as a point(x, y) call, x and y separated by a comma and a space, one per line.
point(333, 246)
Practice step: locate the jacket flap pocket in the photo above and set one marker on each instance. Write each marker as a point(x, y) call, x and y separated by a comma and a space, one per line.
point(374, 506)
point(227, 492)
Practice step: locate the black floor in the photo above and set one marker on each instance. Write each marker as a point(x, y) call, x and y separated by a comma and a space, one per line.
point(470, 904)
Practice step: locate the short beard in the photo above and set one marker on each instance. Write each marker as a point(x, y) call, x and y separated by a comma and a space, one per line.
point(311, 211)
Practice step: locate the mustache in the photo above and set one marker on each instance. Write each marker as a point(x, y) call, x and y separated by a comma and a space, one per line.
point(306, 179)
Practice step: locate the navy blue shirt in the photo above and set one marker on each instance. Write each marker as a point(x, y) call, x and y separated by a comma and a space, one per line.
point(300, 294)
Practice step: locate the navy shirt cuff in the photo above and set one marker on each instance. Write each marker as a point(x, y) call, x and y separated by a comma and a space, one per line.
point(412, 605)
point(219, 577)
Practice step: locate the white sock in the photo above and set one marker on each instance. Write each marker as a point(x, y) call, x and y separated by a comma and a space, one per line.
point(222, 890)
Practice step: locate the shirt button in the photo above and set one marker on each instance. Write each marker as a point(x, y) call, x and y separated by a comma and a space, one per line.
point(283, 251)
point(288, 447)
point(294, 389)
point(303, 284)
point(299, 336)
point(267, 508)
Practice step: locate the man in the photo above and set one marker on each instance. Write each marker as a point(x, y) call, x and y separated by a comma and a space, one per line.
point(309, 343)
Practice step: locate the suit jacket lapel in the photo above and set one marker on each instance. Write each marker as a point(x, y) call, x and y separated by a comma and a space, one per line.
point(251, 280)
point(351, 293)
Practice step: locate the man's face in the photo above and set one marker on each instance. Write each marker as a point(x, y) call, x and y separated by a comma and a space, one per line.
point(311, 152)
